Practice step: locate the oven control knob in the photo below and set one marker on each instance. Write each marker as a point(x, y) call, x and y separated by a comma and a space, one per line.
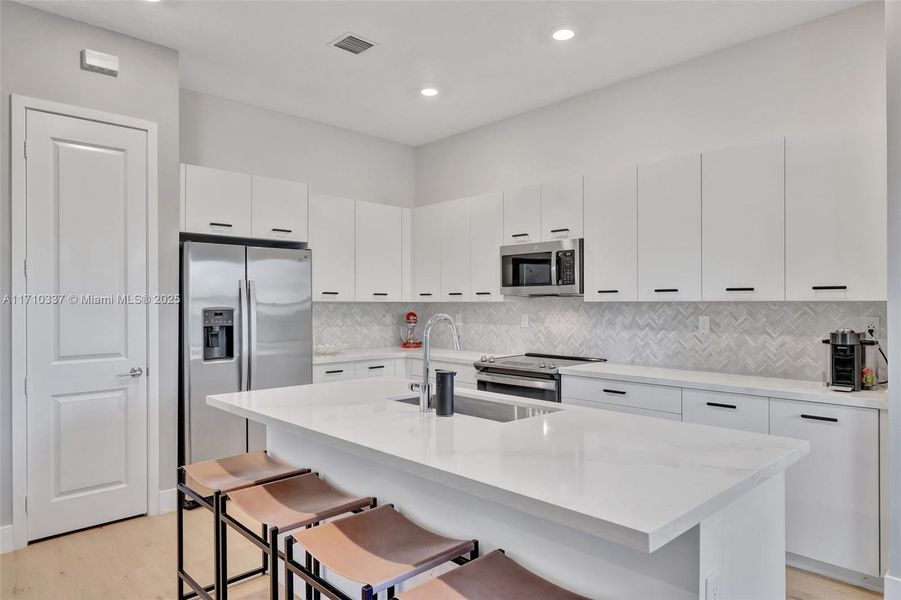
point(484, 358)
point(552, 366)
point(491, 359)
point(542, 365)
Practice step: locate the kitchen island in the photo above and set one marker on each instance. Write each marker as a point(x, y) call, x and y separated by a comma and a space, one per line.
point(609, 505)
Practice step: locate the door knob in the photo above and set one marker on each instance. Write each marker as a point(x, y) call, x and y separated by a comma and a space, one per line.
point(134, 372)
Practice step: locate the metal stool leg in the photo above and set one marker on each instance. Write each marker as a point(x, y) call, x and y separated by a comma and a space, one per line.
point(289, 576)
point(265, 554)
point(273, 572)
point(222, 590)
point(180, 527)
point(217, 545)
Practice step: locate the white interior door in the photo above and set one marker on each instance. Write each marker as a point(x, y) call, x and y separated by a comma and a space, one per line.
point(86, 243)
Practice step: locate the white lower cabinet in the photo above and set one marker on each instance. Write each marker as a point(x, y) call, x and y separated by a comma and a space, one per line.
point(832, 494)
point(465, 373)
point(374, 368)
point(720, 409)
point(659, 398)
point(334, 372)
point(644, 412)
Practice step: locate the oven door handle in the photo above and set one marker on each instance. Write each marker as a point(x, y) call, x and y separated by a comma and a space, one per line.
point(520, 381)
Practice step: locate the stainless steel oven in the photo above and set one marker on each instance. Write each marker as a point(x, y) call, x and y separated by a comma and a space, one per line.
point(517, 385)
point(542, 269)
point(529, 375)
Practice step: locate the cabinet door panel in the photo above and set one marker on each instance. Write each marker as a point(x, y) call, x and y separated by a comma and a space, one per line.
point(732, 411)
point(217, 202)
point(279, 209)
point(744, 222)
point(611, 236)
point(427, 253)
point(669, 230)
point(332, 244)
point(522, 214)
point(832, 494)
point(644, 412)
point(561, 208)
point(486, 235)
point(455, 251)
point(379, 252)
point(333, 372)
point(625, 393)
point(835, 186)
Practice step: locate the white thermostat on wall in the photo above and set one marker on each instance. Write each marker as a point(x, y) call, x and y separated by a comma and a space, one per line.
point(99, 62)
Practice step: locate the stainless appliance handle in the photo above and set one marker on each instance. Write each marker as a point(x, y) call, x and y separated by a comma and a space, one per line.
point(245, 347)
point(537, 384)
point(252, 308)
point(554, 280)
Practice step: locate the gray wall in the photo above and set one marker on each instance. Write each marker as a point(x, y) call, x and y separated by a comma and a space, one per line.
point(823, 74)
point(225, 134)
point(39, 57)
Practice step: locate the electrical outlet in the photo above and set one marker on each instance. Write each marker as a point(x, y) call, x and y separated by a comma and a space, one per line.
point(524, 320)
point(713, 586)
point(872, 323)
point(703, 325)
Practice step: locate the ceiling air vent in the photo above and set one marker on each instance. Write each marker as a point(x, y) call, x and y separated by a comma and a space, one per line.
point(352, 43)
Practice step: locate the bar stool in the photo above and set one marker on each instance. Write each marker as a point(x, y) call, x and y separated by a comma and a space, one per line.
point(213, 478)
point(491, 577)
point(283, 505)
point(378, 549)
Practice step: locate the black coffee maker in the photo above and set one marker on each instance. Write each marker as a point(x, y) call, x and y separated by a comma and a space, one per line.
point(847, 360)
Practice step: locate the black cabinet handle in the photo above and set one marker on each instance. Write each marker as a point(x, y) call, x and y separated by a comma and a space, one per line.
point(666, 290)
point(336, 371)
point(376, 367)
point(483, 293)
point(560, 230)
point(330, 293)
point(425, 293)
point(214, 224)
point(379, 293)
point(608, 291)
point(455, 293)
point(721, 405)
point(819, 418)
point(829, 287)
point(739, 289)
point(520, 235)
point(277, 230)
point(618, 392)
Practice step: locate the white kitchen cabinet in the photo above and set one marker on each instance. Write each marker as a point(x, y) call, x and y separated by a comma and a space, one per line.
point(744, 222)
point(217, 202)
point(379, 253)
point(645, 396)
point(427, 228)
point(374, 368)
point(334, 372)
point(332, 245)
point(631, 410)
point(279, 209)
point(455, 249)
point(611, 236)
point(465, 373)
point(835, 215)
point(721, 409)
point(669, 230)
point(522, 214)
point(486, 236)
point(561, 208)
point(832, 494)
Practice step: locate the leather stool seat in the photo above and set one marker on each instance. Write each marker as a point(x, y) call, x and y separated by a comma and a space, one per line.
point(240, 471)
point(491, 577)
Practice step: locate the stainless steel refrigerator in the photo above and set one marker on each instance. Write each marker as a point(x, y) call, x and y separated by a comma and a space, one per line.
point(246, 324)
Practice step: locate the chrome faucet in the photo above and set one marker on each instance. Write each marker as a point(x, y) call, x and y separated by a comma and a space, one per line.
point(424, 386)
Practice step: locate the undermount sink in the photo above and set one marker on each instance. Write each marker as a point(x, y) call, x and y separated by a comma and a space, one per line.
point(486, 409)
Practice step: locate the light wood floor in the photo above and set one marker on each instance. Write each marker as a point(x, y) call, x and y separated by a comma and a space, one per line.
point(135, 559)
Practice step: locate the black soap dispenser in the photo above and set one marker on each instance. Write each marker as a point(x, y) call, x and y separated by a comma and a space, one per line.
point(444, 393)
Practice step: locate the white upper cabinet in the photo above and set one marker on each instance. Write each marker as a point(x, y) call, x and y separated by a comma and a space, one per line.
point(669, 230)
point(486, 236)
point(427, 227)
point(835, 211)
point(561, 208)
point(217, 202)
point(522, 214)
point(611, 236)
point(744, 222)
point(379, 252)
point(455, 251)
point(279, 209)
point(332, 244)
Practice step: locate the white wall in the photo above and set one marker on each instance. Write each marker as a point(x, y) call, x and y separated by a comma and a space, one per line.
point(225, 134)
point(39, 58)
point(826, 73)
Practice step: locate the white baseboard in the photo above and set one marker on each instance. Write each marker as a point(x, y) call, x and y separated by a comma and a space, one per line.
point(892, 587)
point(6, 539)
point(168, 498)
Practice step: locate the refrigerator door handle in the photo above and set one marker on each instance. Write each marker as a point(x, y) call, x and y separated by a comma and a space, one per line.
point(252, 309)
point(244, 377)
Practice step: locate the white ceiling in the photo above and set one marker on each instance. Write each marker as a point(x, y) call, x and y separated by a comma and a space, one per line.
point(490, 60)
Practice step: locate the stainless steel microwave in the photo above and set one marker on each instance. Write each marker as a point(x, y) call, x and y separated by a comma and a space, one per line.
point(542, 269)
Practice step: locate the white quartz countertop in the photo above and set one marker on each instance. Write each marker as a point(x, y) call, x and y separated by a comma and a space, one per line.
point(461, 356)
point(634, 480)
point(811, 391)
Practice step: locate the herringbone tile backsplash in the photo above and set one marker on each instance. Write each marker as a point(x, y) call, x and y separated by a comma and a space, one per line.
point(775, 339)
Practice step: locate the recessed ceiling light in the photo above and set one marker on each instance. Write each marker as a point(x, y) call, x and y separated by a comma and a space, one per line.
point(428, 92)
point(563, 34)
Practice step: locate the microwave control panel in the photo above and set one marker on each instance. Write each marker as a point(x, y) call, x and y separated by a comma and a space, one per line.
point(566, 267)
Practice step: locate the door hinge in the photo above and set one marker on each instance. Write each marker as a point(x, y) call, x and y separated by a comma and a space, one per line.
point(25, 267)
point(25, 149)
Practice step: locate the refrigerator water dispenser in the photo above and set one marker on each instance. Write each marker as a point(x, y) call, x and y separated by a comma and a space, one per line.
point(218, 333)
